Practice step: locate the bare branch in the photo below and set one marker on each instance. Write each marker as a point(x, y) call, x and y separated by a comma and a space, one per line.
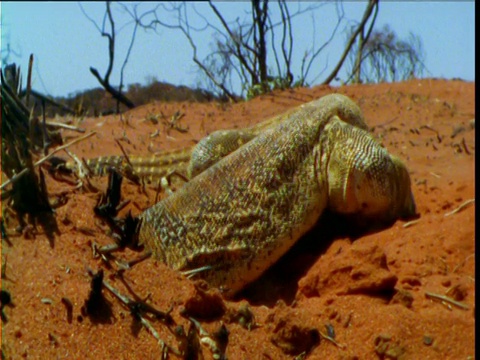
point(238, 51)
point(111, 42)
point(186, 32)
point(275, 52)
point(127, 56)
point(366, 16)
point(110, 35)
point(48, 100)
point(387, 58)
point(363, 39)
point(115, 93)
point(45, 158)
point(325, 44)
point(89, 18)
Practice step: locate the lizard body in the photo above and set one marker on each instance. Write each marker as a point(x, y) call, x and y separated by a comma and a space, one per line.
point(190, 161)
point(240, 215)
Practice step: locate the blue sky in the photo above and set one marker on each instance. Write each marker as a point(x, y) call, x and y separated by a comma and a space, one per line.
point(65, 43)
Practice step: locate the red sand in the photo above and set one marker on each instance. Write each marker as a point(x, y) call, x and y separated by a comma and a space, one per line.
point(371, 291)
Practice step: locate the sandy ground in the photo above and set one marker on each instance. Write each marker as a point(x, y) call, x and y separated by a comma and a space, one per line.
point(372, 294)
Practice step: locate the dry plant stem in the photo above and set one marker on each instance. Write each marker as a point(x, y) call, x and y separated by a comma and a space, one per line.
point(189, 274)
point(46, 137)
point(65, 126)
point(461, 207)
point(201, 330)
point(332, 340)
point(127, 302)
point(83, 170)
point(206, 339)
point(465, 147)
point(124, 153)
point(463, 263)
point(173, 122)
point(410, 223)
point(157, 193)
point(155, 334)
point(42, 160)
point(29, 79)
point(446, 299)
point(127, 265)
point(429, 128)
point(138, 260)
point(107, 249)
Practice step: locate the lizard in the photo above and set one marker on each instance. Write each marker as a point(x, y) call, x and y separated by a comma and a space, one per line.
point(238, 216)
point(186, 162)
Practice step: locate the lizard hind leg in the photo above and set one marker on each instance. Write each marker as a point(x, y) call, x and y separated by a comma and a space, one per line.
point(214, 147)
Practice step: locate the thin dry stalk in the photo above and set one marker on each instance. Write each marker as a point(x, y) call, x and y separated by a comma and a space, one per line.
point(45, 158)
point(461, 207)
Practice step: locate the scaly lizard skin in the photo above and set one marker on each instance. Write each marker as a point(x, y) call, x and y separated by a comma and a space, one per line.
point(191, 161)
point(156, 166)
point(240, 215)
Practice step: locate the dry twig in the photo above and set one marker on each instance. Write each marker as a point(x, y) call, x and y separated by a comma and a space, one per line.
point(461, 207)
point(445, 299)
point(332, 340)
point(45, 158)
point(129, 303)
point(465, 147)
point(462, 263)
point(64, 126)
point(410, 223)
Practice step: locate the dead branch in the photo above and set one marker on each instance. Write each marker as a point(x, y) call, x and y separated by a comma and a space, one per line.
point(305, 69)
point(372, 4)
point(105, 81)
point(445, 299)
point(64, 126)
point(410, 223)
point(29, 79)
point(116, 94)
point(460, 208)
point(241, 49)
point(42, 160)
point(47, 100)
